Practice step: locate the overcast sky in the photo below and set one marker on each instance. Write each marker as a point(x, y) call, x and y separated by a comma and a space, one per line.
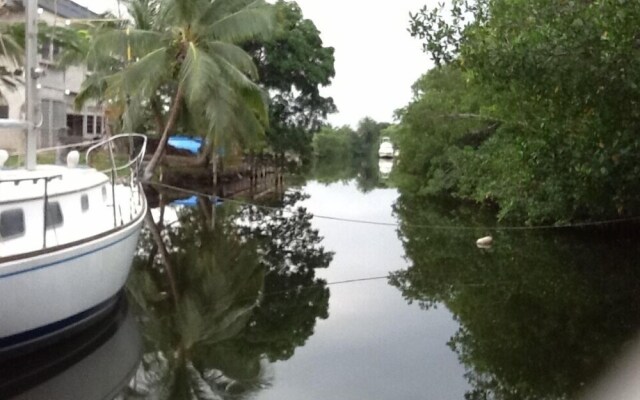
point(377, 60)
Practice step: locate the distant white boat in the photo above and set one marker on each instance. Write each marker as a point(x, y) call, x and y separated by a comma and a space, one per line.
point(386, 148)
point(385, 166)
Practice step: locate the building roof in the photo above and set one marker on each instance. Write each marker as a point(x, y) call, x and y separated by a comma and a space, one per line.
point(67, 9)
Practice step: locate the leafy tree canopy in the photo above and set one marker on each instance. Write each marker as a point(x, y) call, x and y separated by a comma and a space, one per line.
point(553, 89)
point(182, 60)
point(540, 314)
point(293, 66)
point(226, 298)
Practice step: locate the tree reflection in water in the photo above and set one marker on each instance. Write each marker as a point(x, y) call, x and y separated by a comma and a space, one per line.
point(541, 314)
point(245, 295)
point(363, 170)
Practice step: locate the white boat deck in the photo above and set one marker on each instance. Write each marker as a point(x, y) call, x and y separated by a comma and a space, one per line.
point(81, 205)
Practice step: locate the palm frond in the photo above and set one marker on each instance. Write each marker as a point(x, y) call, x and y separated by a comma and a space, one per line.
point(222, 8)
point(199, 71)
point(8, 82)
point(10, 43)
point(142, 77)
point(182, 12)
point(236, 56)
point(75, 44)
point(256, 21)
point(135, 114)
point(127, 43)
point(257, 101)
point(143, 13)
point(231, 120)
point(93, 87)
point(250, 129)
point(231, 74)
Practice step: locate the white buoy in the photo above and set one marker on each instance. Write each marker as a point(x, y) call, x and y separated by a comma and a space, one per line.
point(484, 242)
point(4, 156)
point(73, 158)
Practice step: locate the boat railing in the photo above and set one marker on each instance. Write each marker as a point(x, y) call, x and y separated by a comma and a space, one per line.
point(133, 168)
point(134, 163)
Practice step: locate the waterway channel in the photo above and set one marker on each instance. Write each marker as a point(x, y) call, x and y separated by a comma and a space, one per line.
point(337, 289)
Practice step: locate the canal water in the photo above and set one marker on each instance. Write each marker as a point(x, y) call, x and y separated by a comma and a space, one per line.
point(344, 289)
point(373, 345)
point(341, 288)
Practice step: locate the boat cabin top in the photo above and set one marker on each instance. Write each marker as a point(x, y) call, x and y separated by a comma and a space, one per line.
point(57, 205)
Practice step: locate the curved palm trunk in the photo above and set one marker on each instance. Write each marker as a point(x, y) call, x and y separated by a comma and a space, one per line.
point(157, 114)
point(214, 173)
point(170, 125)
point(162, 249)
point(205, 152)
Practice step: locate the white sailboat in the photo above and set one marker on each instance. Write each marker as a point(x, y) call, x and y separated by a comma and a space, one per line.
point(67, 233)
point(386, 148)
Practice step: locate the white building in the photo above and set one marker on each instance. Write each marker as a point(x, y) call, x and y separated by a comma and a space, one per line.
point(57, 88)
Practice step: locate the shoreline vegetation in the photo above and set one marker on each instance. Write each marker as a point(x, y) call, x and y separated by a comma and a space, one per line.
point(245, 77)
point(532, 108)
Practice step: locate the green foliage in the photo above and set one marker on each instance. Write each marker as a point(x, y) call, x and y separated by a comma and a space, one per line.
point(561, 80)
point(342, 154)
point(180, 63)
point(246, 291)
point(367, 138)
point(12, 52)
point(294, 297)
point(540, 314)
point(436, 128)
point(332, 143)
point(293, 65)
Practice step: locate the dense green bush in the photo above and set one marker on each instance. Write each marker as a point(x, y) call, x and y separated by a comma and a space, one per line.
point(534, 107)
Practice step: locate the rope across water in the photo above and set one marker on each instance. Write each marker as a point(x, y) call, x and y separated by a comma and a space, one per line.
point(396, 225)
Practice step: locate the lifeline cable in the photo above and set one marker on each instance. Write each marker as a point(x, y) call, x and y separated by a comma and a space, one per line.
point(396, 225)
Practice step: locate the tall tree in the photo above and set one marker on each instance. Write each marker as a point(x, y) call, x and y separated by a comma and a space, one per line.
point(243, 291)
point(540, 315)
point(562, 80)
point(181, 59)
point(293, 66)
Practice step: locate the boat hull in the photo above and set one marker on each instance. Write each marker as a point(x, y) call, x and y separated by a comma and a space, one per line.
point(44, 295)
point(97, 363)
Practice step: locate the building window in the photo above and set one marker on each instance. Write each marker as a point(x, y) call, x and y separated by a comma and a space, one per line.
point(98, 125)
point(84, 202)
point(74, 124)
point(54, 216)
point(90, 127)
point(4, 111)
point(11, 223)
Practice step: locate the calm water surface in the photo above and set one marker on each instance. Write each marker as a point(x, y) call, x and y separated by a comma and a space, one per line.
point(274, 304)
point(373, 345)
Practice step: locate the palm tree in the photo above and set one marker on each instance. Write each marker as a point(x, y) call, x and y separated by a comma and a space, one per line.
point(12, 52)
point(180, 61)
point(189, 325)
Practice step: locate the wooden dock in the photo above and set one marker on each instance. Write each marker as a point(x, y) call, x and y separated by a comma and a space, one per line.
point(246, 180)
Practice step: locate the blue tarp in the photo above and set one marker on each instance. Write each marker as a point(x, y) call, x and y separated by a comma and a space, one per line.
point(192, 201)
point(188, 143)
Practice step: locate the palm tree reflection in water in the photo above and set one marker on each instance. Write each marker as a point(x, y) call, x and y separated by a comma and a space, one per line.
point(245, 294)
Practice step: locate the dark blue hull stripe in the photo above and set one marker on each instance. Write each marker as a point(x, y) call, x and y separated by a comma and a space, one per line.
point(46, 330)
point(67, 259)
